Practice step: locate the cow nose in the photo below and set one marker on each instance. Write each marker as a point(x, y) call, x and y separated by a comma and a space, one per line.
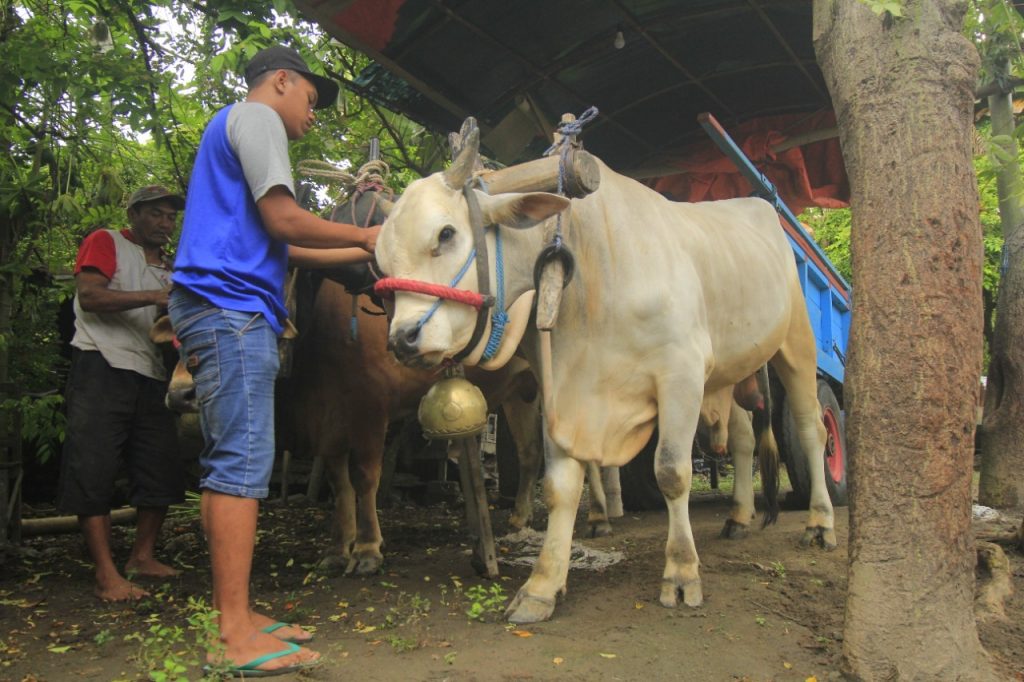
point(404, 342)
point(181, 400)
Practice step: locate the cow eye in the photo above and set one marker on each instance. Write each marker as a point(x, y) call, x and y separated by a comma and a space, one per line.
point(445, 236)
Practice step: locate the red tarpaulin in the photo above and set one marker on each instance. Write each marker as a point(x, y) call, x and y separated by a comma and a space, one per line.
point(808, 175)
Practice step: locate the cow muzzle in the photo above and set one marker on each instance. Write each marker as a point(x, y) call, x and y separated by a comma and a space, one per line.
point(404, 342)
point(182, 400)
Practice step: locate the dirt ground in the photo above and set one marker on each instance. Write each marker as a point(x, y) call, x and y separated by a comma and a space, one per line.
point(772, 611)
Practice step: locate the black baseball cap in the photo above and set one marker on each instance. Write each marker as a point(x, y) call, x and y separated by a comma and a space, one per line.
point(280, 57)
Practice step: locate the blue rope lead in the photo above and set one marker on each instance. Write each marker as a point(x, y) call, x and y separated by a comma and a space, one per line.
point(437, 304)
point(568, 130)
point(499, 318)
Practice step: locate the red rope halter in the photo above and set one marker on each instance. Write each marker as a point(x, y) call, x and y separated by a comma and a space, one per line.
point(387, 286)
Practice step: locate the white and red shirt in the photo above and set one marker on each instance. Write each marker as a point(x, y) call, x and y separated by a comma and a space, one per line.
point(122, 338)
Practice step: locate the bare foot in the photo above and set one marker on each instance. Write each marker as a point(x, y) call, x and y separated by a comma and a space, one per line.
point(259, 644)
point(287, 633)
point(119, 590)
point(150, 568)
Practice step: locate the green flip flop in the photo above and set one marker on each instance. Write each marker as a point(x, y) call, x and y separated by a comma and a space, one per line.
point(252, 668)
point(274, 627)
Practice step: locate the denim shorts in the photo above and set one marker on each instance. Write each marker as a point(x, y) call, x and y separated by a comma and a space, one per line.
point(233, 359)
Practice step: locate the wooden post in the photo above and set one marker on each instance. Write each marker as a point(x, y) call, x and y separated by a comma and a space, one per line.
point(477, 513)
point(316, 479)
point(286, 466)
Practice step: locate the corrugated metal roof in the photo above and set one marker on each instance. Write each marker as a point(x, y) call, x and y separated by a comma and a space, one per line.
point(517, 65)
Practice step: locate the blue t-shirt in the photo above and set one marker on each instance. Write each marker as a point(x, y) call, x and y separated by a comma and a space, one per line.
point(225, 254)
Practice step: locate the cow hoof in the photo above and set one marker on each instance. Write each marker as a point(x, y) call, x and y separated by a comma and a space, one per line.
point(364, 566)
point(693, 595)
point(734, 530)
point(819, 536)
point(517, 522)
point(600, 529)
point(529, 608)
point(332, 564)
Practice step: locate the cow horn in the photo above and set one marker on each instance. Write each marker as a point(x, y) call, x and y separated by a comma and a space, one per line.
point(385, 205)
point(465, 161)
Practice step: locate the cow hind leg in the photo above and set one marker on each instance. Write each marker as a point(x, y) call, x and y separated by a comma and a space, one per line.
point(741, 447)
point(524, 424)
point(563, 486)
point(796, 366)
point(597, 510)
point(343, 526)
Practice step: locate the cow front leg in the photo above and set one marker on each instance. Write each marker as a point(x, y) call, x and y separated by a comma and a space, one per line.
point(365, 469)
point(673, 470)
point(741, 447)
point(563, 486)
point(597, 511)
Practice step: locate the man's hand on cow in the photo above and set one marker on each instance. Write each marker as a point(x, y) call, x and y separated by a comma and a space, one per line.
point(371, 238)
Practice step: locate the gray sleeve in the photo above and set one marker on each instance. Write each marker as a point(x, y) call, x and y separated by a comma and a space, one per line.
point(257, 135)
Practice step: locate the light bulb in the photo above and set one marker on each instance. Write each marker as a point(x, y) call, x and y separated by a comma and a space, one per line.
point(620, 40)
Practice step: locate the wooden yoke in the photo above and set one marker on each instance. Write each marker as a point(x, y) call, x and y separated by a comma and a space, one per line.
point(541, 175)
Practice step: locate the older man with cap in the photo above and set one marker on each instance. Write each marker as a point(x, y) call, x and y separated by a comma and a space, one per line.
point(116, 388)
point(242, 228)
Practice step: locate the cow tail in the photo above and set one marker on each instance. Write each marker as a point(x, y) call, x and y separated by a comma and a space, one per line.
point(767, 450)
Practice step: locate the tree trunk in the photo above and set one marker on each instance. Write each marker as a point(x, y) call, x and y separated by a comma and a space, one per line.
point(903, 93)
point(1002, 429)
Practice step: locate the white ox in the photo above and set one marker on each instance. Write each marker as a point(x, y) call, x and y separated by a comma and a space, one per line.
point(670, 302)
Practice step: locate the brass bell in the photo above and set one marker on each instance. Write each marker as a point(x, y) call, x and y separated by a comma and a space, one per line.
point(452, 408)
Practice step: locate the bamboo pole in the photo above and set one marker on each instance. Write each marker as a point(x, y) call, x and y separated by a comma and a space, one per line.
point(52, 525)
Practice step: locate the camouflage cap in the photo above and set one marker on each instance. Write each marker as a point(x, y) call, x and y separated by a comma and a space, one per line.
point(154, 193)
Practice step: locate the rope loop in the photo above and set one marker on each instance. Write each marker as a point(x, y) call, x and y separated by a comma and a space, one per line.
point(371, 176)
point(569, 129)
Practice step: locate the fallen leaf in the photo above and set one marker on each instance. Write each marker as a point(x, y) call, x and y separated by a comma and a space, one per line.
point(607, 655)
point(787, 665)
point(58, 649)
point(522, 633)
point(812, 678)
point(558, 660)
point(638, 605)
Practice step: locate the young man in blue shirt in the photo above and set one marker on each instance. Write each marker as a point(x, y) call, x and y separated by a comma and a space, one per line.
point(241, 229)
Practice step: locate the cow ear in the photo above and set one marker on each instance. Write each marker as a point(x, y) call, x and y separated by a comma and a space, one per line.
point(521, 210)
point(161, 331)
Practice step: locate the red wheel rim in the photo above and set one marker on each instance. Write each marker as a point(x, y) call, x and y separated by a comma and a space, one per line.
point(834, 455)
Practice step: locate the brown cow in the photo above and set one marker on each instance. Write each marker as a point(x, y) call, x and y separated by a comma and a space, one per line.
point(343, 394)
